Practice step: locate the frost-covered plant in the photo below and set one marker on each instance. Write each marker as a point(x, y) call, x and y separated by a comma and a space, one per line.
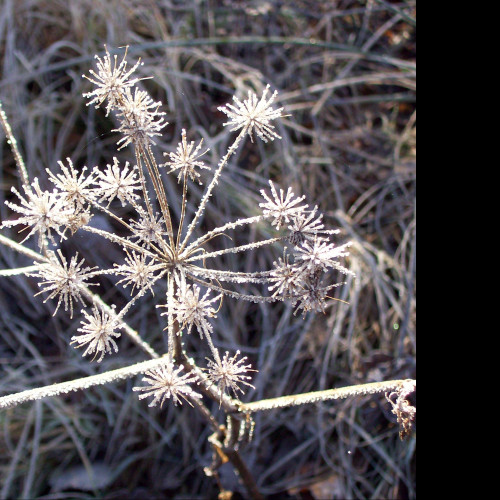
point(158, 248)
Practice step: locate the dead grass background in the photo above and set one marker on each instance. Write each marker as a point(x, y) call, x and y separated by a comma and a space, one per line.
point(346, 74)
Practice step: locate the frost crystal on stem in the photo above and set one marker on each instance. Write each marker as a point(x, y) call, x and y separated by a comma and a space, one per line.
point(43, 211)
point(64, 279)
point(119, 183)
point(281, 207)
point(254, 115)
point(186, 160)
point(97, 334)
point(111, 81)
point(230, 373)
point(76, 188)
point(140, 119)
point(167, 382)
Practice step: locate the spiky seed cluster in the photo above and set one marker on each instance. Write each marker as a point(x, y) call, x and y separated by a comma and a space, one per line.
point(111, 81)
point(138, 271)
point(186, 161)
point(303, 280)
point(148, 230)
point(192, 310)
point(307, 226)
point(229, 373)
point(78, 191)
point(281, 208)
point(284, 280)
point(167, 382)
point(98, 333)
point(319, 256)
point(117, 182)
point(254, 115)
point(76, 187)
point(44, 212)
point(140, 119)
point(300, 277)
point(63, 280)
point(155, 248)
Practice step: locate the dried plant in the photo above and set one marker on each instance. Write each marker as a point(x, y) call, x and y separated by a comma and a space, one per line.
point(158, 249)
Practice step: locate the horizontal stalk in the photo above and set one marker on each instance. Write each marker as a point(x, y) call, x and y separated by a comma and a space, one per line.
point(320, 396)
point(80, 384)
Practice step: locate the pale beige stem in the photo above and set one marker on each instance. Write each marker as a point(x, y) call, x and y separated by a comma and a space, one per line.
point(321, 396)
point(208, 192)
point(11, 141)
point(22, 249)
point(79, 384)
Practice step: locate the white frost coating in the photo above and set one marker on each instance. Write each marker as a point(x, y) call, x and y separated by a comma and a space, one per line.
point(79, 384)
point(320, 396)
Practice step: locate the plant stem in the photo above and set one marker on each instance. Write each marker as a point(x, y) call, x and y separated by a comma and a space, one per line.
point(208, 192)
point(320, 396)
point(11, 141)
point(18, 271)
point(79, 384)
point(22, 249)
point(244, 473)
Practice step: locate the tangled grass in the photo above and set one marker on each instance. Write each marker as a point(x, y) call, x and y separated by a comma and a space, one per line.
point(346, 74)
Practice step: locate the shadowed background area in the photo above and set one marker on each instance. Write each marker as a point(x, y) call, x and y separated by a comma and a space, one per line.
point(346, 75)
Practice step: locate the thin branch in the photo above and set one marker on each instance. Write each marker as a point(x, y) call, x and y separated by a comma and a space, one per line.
point(232, 277)
point(321, 396)
point(18, 271)
point(244, 472)
point(211, 187)
point(172, 333)
point(243, 248)
point(154, 174)
point(123, 242)
point(183, 211)
point(205, 412)
point(22, 249)
point(234, 295)
point(79, 384)
point(220, 230)
point(11, 141)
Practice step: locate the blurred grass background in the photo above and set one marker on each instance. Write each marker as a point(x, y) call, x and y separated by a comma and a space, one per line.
point(346, 73)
